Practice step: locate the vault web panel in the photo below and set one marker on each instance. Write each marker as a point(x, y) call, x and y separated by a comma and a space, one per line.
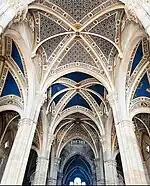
point(104, 45)
point(77, 8)
point(77, 76)
point(77, 100)
point(98, 88)
point(50, 45)
point(10, 86)
point(77, 53)
point(57, 87)
point(16, 57)
point(107, 27)
point(137, 58)
point(48, 27)
point(143, 88)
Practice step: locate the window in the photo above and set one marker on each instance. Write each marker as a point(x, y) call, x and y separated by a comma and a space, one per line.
point(77, 181)
point(6, 144)
point(147, 148)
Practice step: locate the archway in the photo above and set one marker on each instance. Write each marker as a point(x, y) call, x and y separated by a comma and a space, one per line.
point(76, 165)
point(77, 170)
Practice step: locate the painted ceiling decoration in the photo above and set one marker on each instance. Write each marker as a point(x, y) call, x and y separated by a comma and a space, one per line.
point(63, 30)
point(16, 56)
point(139, 62)
point(10, 86)
point(85, 90)
point(143, 88)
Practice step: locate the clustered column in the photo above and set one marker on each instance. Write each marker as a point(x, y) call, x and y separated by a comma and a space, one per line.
point(15, 10)
point(42, 165)
point(129, 149)
point(52, 180)
point(111, 172)
point(138, 11)
point(16, 165)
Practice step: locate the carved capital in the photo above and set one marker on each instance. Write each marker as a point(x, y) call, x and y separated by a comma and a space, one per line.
point(130, 7)
point(26, 121)
point(111, 163)
point(20, 7)
point(50, 140)
point(112, 98)
point(56, 161)
point(126, 123)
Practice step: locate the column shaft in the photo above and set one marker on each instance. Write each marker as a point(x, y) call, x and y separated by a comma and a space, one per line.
point(17, 161)
point(42, 165)
point(128, 145)
point(110, 172)
point(130, 154)
point(41, 171)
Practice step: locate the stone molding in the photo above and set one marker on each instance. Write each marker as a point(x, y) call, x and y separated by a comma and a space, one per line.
point(26, 121)
point(111, 162)
point(130, 10)
point(20, 7)
point(112, 98)
point(127, 124)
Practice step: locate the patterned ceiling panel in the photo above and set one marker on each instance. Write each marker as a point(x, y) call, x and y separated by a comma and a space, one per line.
point(104, 45)
point(77, 53)
point(105, 27)
point(77, 8)
point(50, 45)
point(48, 27)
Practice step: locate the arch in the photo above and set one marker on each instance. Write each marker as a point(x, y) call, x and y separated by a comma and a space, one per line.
point(138, 111)
point(73, 154)
point(79, 137)
point(69, 168)
point(12, 108)
point(80, 110)
point(133, 40)
point(27, 53)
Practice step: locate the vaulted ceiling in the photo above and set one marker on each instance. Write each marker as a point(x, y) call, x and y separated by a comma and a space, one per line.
point(75, 34)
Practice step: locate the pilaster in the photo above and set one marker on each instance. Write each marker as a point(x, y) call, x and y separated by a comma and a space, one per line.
point(99, 171)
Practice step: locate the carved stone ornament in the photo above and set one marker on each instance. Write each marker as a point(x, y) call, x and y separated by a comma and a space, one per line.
point(130, 10)
point(20, 7)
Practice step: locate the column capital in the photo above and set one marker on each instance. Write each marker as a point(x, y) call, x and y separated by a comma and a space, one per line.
point(57, 161)
point(111, 162)
point(126, 123)
point(130, 7)
point(20, 7)
point(42, 158)
point(112, 98)
point(26, 121)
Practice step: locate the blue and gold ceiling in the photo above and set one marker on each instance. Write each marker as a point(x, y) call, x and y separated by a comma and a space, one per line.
point(80, 82)
point(9, 80)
